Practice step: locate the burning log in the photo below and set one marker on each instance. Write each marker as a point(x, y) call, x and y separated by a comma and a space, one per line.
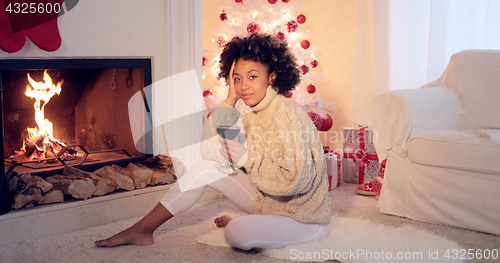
point(121, 180)
point(77, 186)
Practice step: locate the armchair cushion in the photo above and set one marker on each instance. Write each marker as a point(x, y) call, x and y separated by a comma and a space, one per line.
point(465, 150)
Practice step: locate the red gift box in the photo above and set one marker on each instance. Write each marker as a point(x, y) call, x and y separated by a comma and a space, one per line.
point(333, 168)
point(360, 158)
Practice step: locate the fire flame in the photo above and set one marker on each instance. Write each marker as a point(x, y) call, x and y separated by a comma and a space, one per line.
point(41, 140)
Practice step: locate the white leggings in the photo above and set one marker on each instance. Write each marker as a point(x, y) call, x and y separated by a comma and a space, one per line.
point(247, 231)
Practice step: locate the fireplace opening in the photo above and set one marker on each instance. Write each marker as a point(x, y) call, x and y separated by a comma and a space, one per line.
point(71, 113)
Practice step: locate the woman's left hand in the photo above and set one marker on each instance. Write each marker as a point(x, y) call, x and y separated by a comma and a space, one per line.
point(234, 148)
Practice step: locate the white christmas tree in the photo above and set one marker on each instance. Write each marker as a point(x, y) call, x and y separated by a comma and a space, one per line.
point(283, 20)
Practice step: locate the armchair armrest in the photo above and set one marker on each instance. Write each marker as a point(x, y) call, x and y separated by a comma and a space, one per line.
point(397, 116)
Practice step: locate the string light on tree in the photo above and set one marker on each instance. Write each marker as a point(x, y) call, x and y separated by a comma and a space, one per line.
point(282, 19)
point(221, 41)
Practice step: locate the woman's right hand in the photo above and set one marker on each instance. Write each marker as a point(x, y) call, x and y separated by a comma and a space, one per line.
point(232, 96)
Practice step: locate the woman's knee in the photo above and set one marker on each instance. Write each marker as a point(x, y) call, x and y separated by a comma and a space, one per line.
point(237, 235)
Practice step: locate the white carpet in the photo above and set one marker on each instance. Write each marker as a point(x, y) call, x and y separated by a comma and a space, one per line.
point(359, 240)
point(175, 241)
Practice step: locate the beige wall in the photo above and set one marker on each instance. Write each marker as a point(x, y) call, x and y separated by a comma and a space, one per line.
point(331, 26)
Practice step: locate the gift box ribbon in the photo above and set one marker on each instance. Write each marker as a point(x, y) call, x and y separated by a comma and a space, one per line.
point(360, 156)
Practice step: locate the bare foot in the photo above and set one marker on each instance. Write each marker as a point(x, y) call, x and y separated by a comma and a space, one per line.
point(222, 221)
point(129, 236)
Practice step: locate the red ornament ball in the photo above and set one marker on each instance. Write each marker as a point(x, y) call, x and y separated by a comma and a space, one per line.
point(305, 44)
point(207, 92)
point(253, 28)
point(291, 26)
point(288, 94)
point(285, 1)
point(311, 88)
point(220, 41)
point(272, 2)
point(301, 19)
point(316, 119)
point(204, 61)
point(223, 16)
point(239, 1)
point(327, 123)
point(304, 69)
point(280, 35)
point(314, 63)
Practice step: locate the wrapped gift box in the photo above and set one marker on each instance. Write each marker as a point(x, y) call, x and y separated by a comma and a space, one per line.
point(360, 158)
point(333, 169)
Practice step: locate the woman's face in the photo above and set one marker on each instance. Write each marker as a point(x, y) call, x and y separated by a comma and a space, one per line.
point(251, 80)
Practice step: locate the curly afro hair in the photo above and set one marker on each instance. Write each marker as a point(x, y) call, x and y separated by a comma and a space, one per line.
point(267, 50)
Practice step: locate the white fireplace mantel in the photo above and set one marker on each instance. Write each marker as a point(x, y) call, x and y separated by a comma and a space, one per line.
point(169, 32)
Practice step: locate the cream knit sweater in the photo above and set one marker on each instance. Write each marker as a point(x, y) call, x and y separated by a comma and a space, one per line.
point(284, 159)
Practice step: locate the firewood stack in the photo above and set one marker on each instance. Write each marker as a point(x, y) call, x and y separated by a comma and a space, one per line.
point(30, 190)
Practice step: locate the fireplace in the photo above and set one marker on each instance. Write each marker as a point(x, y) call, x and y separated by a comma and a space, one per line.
point(89, 115)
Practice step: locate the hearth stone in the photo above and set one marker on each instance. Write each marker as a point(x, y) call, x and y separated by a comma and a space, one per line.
point(53, 219)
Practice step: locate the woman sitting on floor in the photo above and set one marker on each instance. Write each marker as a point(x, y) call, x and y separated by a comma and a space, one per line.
point(282, 183)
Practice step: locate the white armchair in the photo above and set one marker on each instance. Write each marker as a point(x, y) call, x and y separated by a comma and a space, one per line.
point(442, 144)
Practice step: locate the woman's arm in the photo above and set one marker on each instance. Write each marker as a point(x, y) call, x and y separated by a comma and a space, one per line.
point(212, 147)
point(293, 159)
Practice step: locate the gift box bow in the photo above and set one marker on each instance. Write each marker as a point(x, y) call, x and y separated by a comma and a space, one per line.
point(361, 157)
point(329, 151)
point(326, 149)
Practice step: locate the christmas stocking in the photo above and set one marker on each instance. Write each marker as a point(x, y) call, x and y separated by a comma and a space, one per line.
point(42, 28)
point(10, 41)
